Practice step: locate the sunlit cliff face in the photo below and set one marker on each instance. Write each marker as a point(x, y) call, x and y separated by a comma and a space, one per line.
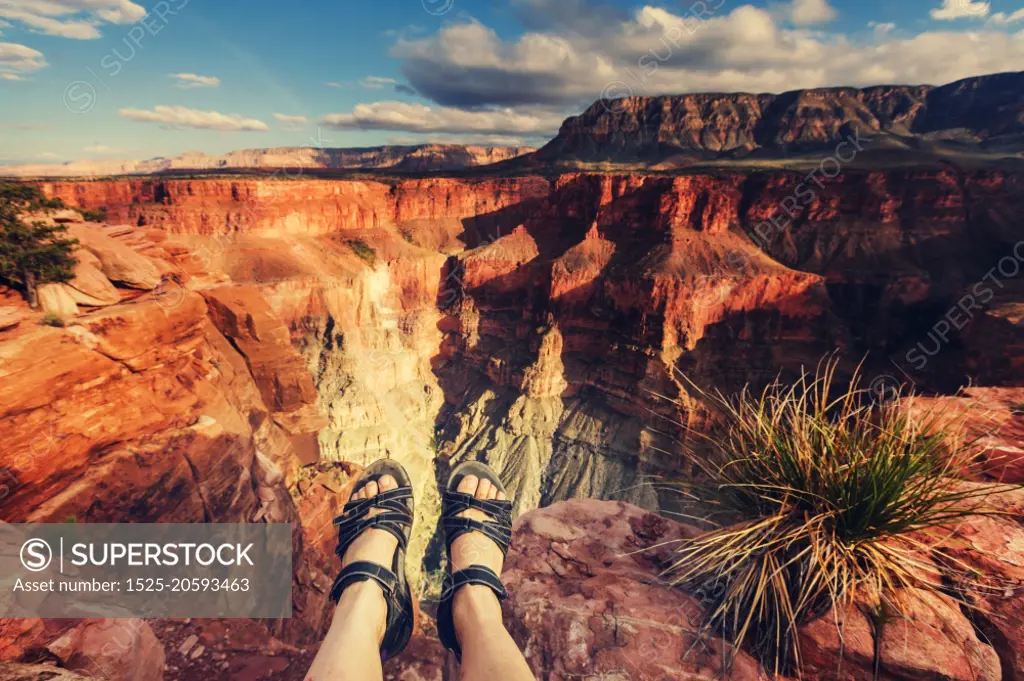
point(540, 324)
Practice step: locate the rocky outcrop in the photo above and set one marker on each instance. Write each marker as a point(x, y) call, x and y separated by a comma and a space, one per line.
point(588, 600)
point(37, 672)
point(115, 650)
point(294, 160)
point(985, 110)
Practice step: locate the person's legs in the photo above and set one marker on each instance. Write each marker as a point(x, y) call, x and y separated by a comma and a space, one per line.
point(488, 651)
point(350, 651)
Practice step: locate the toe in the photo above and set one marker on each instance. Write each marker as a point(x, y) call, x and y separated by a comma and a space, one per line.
point(493, 492)
point(483, 489)
point(468, 485)
point(387, 483)
point(370, 490)
point(501, 496)
point(358, 495)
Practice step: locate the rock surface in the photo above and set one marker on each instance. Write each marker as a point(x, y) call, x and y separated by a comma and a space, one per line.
point(115, 650)
point(37, 672)
point(296, 160)
point(588, 601)
point(652, 129)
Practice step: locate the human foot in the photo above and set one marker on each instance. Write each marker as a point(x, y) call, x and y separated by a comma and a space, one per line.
point(373, 545)
point(373, 532)
point(475, 602)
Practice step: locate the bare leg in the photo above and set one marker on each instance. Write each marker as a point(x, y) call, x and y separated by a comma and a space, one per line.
point(350, 651)
point(488, 651)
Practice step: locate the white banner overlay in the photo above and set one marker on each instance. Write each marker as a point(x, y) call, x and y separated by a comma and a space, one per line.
point(147, 570)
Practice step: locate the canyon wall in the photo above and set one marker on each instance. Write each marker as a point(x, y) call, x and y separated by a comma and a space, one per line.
point(416, 158)
point(556, 327)
point(983, 113)
point(539, 323)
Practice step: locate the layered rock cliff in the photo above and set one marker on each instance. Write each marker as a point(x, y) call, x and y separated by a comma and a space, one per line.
point(984, 112)
point(535, 322)
point(228, 332)
point(416, 158)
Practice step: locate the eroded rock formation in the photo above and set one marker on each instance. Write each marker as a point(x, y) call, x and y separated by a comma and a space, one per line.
point(297, 160)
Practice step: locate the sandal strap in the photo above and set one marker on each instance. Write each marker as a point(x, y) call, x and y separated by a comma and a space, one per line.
point(362, 571)
point(392, 500)
point(457, 502)
point(498, 530)
point(474, 574)
point(396, 519)
point(456, 527)
point(392, 522)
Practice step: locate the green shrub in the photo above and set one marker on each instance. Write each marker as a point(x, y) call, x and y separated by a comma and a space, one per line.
point(51, 319)
point(98, 215)
point(813, 497)
point(31, 254)
point(362, 249)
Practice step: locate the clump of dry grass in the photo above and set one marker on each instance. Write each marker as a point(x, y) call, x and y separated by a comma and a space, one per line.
point(815, 493)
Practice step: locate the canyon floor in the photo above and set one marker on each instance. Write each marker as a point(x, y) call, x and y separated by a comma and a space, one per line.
point(236, 349)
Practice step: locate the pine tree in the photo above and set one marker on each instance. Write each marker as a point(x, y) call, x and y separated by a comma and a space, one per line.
point(31, 254)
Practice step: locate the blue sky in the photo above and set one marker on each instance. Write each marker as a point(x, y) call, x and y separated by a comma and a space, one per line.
point(130, 79)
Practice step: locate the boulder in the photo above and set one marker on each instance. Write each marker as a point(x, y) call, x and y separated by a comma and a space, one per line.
point(242, 314)
point(120, 263)
point(37, 672)
point(10, 317)
point(932, 640)
point(994, 547)
point(56, 299)
point(587, 600)
point(115, 650)
point(990, 417)
point(90, 287)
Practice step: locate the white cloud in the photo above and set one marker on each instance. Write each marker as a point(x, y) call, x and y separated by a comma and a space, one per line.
point(100, 149)
point(291, 122)
point(419, 118)
point(1004, 19)
point(77, 19)
point(48, 154)
point(331, 83)
point(882, 29)
point(472, 140)
point(377, 82)
point(188, 81)
point(176, 117)
point(961, 9)
point(469, 66)
point(811, 12)
point(18, 60)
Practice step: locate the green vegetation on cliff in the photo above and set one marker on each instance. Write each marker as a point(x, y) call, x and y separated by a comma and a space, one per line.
point(818, 497)
point(31, 254)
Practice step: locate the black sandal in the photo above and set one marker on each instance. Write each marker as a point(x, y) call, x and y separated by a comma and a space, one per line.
point(498, 530)
point(397, 506)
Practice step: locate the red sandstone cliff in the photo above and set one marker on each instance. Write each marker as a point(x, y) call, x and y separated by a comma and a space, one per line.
point(419, 158)
point(529, 321)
